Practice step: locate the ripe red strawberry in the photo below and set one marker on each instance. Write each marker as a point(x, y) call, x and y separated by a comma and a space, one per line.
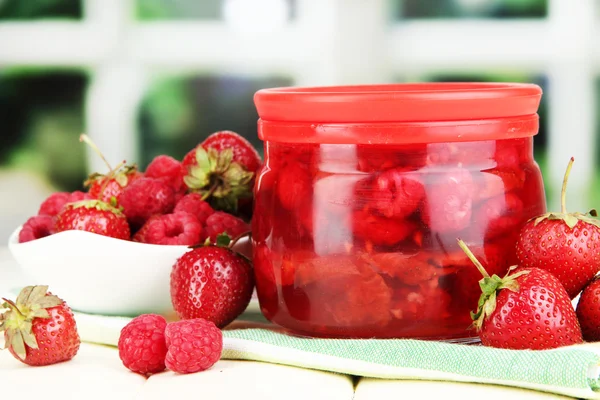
point(294, 186)
point(169, 170)
point(449, 201)
point(378, 158)
point(223, 223)
point(193, 345)
point(179, 228)
point(109, 187)
point(36, 228)
point(56, 201)
point(397, 193)
point(526, 309)
point(222, 168)
point(144, 198)
point(93, 216)
point(211, 282)
point(566, 244)
point(588, 311)
point(39, 328)
point(192, 203)
point(142, 346)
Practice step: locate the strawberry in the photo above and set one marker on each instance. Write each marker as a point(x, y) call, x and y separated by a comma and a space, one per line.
point(381, 231)
point(56, 201)
point(39, 328)
point(109, 187)
point(193, 345)
point(144, 198)
point(500, 215)
point(495, 182)
point(449, 202)
point(588, 311)
point(36, 228)
point(169, 170)
point(93, 216)
point(397, 193)
point(294, 186)
point(142, 347)
point(349, 291)
point(526, 309)
point(425, 303)
point(211, 282)
point(177, 229)
point(222, 169)
point(565, 244)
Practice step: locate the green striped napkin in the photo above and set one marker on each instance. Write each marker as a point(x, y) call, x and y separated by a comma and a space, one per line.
point(572, 371)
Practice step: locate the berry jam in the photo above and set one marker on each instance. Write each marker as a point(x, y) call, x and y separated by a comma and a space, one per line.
point(360, 240)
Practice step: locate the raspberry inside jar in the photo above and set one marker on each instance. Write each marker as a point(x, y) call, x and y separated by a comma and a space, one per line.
point(359, 239)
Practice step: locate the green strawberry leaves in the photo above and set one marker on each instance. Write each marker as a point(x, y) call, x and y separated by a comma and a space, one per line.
point(220, 180)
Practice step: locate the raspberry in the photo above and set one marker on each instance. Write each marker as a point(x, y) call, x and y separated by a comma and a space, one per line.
point(221, 222)
point(168, 170)
point(36, 227)
point(172, 229)
point(193, 345)
point(142, 346)
point(193, 204)
point(144, 198)
point(55, 202)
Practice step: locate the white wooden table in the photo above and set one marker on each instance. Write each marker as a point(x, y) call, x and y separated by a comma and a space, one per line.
point(97, 373)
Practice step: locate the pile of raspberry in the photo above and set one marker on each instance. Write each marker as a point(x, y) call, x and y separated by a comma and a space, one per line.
point(172, 202)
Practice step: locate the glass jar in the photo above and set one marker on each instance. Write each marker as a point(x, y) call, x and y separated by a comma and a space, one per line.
point(365, 191)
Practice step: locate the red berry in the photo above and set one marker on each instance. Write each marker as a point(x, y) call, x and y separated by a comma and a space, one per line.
point(213, 283)
point(144, 198)
point(56, 201)
point(243, 152)
point(109, 188)
point(500, 214)
point(294, 186)
point(36, 228)
point(221, 222)
point(178, 228)
point(142, 346)
point(526, 309)
point(565, 244)
point(588, 311)
point(169, 170)
point(377, 158)
point(222, 168)
point(381, 231)
point(192, 203)
point(93, 216)
point(39, 328)
point(449, 202)
point(397, 193)
point(193, 345)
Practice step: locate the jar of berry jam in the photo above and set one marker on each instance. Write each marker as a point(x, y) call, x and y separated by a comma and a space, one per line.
point(365, 191)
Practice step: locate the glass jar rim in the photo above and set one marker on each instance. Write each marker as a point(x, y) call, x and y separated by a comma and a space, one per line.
point(404, 102)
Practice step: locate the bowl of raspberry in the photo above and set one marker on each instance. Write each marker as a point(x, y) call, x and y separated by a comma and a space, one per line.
point(110, 248)
point(365, 191)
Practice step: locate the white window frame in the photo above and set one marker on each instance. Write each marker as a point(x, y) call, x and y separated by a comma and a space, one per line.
point(330, 42)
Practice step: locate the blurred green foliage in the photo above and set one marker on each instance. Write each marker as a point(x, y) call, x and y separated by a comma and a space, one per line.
point(470, 8)
point(148, 10)
point(36, 9)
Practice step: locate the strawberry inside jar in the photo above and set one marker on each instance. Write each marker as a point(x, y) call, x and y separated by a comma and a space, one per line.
point(365, 191)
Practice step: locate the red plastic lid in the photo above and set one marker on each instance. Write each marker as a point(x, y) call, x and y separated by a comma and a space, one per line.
point(412, 102)
point(399, 113)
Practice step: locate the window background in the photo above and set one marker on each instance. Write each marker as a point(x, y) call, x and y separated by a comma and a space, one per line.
point(144, 77)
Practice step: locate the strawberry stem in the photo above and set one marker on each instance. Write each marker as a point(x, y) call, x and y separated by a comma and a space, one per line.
point(473, 259)
point(563, 192)
point(85, 138)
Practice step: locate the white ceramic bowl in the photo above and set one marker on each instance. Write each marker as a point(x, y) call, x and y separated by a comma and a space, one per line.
point(102, 275)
